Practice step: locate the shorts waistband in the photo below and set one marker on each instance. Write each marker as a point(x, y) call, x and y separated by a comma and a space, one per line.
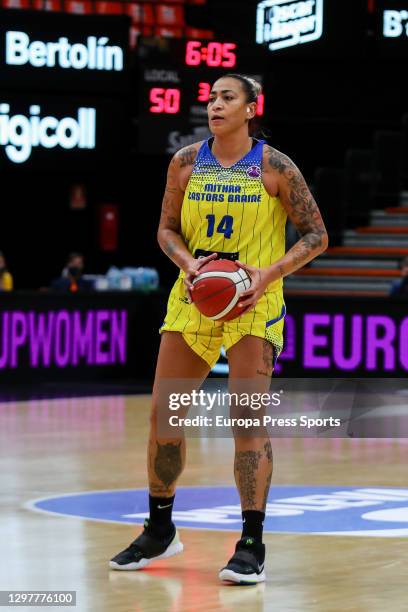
point(221, 255)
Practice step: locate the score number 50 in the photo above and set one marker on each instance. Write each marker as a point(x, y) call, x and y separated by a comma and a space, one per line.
point(167, 101)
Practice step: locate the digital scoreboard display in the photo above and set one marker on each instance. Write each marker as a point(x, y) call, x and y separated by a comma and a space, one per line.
point(213, 54)
point(314, 58)
point(175, 89)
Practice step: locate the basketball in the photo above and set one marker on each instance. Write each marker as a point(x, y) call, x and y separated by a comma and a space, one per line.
point(217, 289)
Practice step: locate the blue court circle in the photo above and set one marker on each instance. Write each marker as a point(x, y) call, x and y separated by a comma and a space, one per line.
point(359, 511)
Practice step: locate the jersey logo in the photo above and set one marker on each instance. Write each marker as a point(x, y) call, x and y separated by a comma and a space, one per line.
point(224, 175)
point(253, 172)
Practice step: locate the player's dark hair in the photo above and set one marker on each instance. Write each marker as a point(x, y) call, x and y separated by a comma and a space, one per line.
point(251, 87)
point(404, 263)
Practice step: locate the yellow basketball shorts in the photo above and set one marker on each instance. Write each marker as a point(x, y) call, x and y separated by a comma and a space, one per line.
point(206, 337)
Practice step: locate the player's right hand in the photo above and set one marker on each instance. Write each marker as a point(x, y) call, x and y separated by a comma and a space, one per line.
point(193, 270)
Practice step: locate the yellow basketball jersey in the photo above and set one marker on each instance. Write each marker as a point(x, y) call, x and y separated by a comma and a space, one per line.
point(228, 210)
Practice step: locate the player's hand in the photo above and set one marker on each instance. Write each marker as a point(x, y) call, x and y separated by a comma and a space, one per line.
point(259, 282)
point(194, 270)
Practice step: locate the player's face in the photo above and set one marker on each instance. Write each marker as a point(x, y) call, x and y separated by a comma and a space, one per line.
point(227, 106)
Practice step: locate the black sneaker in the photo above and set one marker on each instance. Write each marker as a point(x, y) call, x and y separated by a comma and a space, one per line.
point(147, 548)
point(247, 564)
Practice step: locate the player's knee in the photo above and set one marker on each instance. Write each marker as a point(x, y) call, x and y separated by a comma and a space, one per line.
point(160, 431)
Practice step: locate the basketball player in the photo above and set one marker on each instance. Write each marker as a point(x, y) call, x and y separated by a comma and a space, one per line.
point(227, 197)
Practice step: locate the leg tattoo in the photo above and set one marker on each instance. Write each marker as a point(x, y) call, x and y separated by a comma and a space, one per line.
point(246, 466)
point(253, 475)
point(168, 463)
point(268, 453)
point(267, 357)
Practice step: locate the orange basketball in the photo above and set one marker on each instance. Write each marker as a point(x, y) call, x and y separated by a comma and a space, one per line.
point(217, 289)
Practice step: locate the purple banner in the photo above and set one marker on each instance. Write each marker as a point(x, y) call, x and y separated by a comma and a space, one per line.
point(63, 338)
point(345, 342)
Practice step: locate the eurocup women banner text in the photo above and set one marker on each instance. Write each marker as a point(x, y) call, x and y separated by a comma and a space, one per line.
point(115, 335)
point(49, 337)
point(349, 337)
point(57, 52)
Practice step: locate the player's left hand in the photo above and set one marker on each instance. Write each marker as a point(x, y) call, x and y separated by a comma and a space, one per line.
point(259, 282)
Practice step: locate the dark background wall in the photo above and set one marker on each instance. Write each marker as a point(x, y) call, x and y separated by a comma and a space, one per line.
point(321, 100)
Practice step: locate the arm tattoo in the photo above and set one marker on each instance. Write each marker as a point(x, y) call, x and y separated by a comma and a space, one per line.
point(187, 157)
point(167, 464)
point(245, 467)
point(167, 202)
point(170, 248)
point(172, 223)
point(167, 212)
point(304, 211)
point(167, 209)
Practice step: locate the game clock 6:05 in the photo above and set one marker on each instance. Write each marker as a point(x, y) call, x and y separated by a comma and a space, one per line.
point(212, 54)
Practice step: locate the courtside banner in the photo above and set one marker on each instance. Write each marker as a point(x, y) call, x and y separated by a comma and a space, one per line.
point(85, 336)
point(58, 52)
point(78, 337)
point(351, 337)
point(43, 132)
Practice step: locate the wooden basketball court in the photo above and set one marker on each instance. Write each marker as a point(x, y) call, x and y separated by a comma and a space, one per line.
point(53, 447)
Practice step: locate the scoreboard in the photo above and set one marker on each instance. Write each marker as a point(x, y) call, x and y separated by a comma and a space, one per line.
point(314, 58)
point(174, 89)
point(338, 59)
